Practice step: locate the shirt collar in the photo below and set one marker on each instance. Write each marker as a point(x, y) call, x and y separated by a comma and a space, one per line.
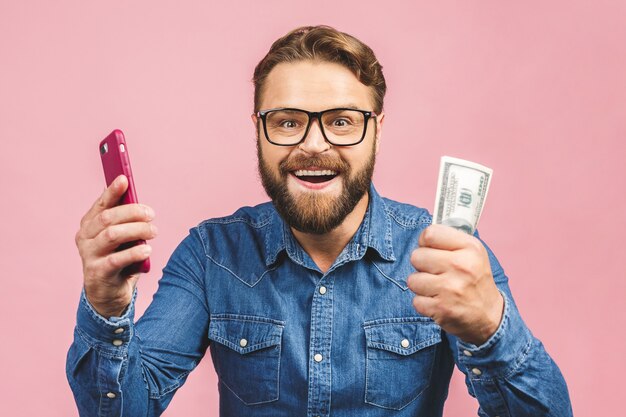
point(374, 232)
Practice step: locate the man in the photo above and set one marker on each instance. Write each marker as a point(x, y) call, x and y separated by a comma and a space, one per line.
point(305, 302)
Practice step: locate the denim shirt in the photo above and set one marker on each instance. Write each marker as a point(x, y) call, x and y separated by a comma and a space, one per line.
point(289, 340)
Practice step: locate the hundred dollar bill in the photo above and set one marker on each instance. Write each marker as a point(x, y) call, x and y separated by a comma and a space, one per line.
point(461, 193)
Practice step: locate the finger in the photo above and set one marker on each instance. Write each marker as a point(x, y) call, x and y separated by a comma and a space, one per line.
point(125, 213)
point(433, 261)
point(422, 283)
point(110, 265)
point(426, 306)
point(109, 197)
point(113, 236)
point(438, 236)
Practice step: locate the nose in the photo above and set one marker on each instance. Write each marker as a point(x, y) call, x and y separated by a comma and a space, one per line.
point(314, 141)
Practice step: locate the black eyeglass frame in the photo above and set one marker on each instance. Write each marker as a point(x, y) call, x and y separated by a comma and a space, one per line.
point(262, 114)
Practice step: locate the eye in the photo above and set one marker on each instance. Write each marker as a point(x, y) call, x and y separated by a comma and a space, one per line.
point(288, 124)
point(341, 122)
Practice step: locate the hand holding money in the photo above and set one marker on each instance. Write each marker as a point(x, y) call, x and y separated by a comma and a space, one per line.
point(454, 284)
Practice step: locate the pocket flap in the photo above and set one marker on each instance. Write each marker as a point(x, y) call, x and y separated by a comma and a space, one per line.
point(245, 334)
point(403, 336)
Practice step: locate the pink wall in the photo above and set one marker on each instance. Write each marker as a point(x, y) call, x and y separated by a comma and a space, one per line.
point(534, 89)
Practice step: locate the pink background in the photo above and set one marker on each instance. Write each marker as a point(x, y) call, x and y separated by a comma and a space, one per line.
point(536, 90)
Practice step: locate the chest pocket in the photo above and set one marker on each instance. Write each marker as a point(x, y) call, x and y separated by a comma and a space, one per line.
point(400, 357)
point(246, 355)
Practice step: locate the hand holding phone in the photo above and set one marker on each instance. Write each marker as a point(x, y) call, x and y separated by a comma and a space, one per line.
point(116, 162)
point(111, 239)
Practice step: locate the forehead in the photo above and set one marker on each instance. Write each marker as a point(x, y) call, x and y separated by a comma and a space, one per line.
point(314, 86)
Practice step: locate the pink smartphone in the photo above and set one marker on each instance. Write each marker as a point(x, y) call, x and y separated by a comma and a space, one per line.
point(115, 161)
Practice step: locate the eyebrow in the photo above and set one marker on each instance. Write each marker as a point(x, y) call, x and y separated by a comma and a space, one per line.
point(345, 106)
point(349, 106)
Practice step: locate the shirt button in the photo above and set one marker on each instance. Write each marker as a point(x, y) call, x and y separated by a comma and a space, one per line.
point(476, 371)
point(119, 330)
point(111, 395)
point(322, 290)
point(467, 353)
point(405, 343)
point(318, 357)
point(243, 343)
point(117, 342)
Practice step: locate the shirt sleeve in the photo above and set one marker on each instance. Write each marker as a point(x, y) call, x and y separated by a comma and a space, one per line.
point(116, 367)
point(511, 374)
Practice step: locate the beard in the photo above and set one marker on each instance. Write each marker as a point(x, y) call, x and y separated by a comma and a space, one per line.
point(311, 212)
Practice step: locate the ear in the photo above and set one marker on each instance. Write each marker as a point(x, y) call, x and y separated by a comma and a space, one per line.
point(379, 128)
point(255, 123)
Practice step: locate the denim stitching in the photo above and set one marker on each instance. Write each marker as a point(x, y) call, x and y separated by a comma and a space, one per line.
point(275, 340)
point(397, 282)
point(251, 285)
point(257, 224)
point(374, 345)
point(243, 317)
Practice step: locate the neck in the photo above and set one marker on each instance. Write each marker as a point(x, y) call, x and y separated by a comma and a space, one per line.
point(324, 249)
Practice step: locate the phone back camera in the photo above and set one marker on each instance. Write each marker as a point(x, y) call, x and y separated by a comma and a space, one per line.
point(104, 148)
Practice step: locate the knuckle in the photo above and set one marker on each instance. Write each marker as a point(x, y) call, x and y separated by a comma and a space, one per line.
point(454, 289)
point(105, 218)
point(444, 312)
point(410, 282)
point(458, 263)
point(113, 261)
point(415, 256)
point(110, 235)
point(416, 304)
point(476, 245)
point(473, 266)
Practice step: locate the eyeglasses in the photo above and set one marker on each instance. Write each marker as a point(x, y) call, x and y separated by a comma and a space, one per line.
point(340, 127)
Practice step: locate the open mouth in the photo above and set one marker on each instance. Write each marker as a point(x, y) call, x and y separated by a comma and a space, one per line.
point(315, 176)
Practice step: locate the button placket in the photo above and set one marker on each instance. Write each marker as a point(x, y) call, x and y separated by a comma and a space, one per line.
point(320, 348)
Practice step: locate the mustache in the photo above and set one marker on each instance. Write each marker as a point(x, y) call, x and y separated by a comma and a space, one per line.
point(318, 161)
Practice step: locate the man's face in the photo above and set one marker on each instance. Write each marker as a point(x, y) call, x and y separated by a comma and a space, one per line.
point(316, 203)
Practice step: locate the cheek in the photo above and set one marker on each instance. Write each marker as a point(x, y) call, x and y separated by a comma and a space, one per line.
point(356, 160)
point(273, 155)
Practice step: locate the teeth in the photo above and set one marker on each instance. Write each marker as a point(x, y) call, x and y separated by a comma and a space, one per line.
point(308, 173)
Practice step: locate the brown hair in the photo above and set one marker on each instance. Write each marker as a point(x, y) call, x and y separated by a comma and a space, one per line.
point(323, 43)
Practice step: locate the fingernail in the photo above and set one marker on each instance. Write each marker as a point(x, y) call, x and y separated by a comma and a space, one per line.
point(147, 250)
point(154, 229)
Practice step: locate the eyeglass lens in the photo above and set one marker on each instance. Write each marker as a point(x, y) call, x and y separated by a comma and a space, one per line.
point(341, 127)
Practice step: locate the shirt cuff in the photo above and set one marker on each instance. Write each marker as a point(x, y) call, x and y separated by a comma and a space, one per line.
point(502, 353)
point(112, 334)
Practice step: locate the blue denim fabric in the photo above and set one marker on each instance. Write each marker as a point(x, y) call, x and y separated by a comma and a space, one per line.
point(288, 340)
